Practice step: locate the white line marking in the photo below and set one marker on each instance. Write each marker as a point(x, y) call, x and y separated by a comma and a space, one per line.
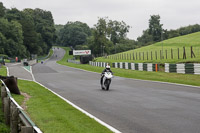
point(83, 111)
point(80, 109)
point(32, 73)
point(26, 69)
point(25, 79)
point(7, 71)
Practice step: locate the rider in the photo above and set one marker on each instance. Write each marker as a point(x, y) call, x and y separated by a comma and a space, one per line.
point(107, 69)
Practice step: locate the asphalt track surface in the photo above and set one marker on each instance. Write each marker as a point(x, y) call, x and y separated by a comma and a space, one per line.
point(131, 106)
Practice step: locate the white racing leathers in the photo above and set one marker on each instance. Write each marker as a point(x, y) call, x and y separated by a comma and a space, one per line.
point(105, 84)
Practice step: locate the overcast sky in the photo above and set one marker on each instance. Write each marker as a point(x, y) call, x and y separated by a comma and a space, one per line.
point(136, 13)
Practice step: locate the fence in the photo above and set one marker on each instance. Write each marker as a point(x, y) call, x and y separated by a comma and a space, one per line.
point(159, 54)
point(132, 66)
point(15, 117)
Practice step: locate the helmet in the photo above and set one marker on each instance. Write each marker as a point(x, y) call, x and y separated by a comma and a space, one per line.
point(107, 67)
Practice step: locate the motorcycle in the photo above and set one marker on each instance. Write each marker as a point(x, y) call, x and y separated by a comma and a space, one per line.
point(105, 84)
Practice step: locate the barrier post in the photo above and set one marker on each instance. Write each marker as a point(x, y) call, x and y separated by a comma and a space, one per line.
point(14, 118)
point(3, 95)
point(156, 67)
point(6, 108)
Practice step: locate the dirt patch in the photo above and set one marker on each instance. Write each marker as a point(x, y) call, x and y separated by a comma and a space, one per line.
point(26, 98)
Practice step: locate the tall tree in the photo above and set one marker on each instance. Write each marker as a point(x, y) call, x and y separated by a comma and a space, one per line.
point(29, 33)
point(155, 28)
point(13, 14)
point(11, 38)
point(74, 33)
point(145, 39)
point(44, 25)
point(108, 32)
point(2, 10)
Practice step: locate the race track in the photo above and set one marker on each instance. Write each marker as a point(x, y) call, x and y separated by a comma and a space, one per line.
point(131, 106)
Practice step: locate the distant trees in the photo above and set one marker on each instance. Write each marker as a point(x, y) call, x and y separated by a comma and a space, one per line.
point(100, 39)
point(155, 28)
point(2, 10)
point(109, 36)
point(25, 32)
point(73, 33)
point(106, 34)
point(11, 37)
point(156, 33)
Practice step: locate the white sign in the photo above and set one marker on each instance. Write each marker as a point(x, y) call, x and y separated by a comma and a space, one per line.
point(81, 52)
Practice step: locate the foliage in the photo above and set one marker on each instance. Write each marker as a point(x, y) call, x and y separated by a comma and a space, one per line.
point(155, 28)
point(2, 10)
point(106, 34)
point(26, 32)
point(155, 33)
point(117, 31)
point(58, 28)
point(124, 45)
point(73, 33)
point(11, 38)
point(145, 39)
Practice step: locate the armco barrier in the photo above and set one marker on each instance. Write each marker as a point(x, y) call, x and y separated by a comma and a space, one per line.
point(187, 68)
point(74, 61)
point(15, 117)
point(126, 65)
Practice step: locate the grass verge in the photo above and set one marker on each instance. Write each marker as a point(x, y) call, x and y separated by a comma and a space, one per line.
point(3, 71)
point(188, 79)
point(171, 50)
point(52, 114)
point(3, 127)
point(40, 58)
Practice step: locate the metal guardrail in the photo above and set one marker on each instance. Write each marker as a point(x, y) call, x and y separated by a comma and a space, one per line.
point(14, 114)
point(74, 61)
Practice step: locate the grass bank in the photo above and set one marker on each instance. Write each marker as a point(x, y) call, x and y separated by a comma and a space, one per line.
point(52, 114)
point(171, 50)
point(3, 127)
point(188, 79)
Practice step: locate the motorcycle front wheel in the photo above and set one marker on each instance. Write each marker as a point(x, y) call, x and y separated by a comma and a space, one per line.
point(107, 84)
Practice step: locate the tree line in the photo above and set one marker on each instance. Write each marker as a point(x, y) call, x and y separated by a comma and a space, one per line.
point(109, 36)
point(156, 33)
point(105, 37)
point(32, 31)
point(26, 32)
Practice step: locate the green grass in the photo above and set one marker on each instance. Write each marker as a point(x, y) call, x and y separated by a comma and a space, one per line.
point(3, 71)
point(7, 61)
point(3, 127)
point(188, 79)
point(67, 56)
point(52, 114)
point(40, 58)
point(178, 42)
